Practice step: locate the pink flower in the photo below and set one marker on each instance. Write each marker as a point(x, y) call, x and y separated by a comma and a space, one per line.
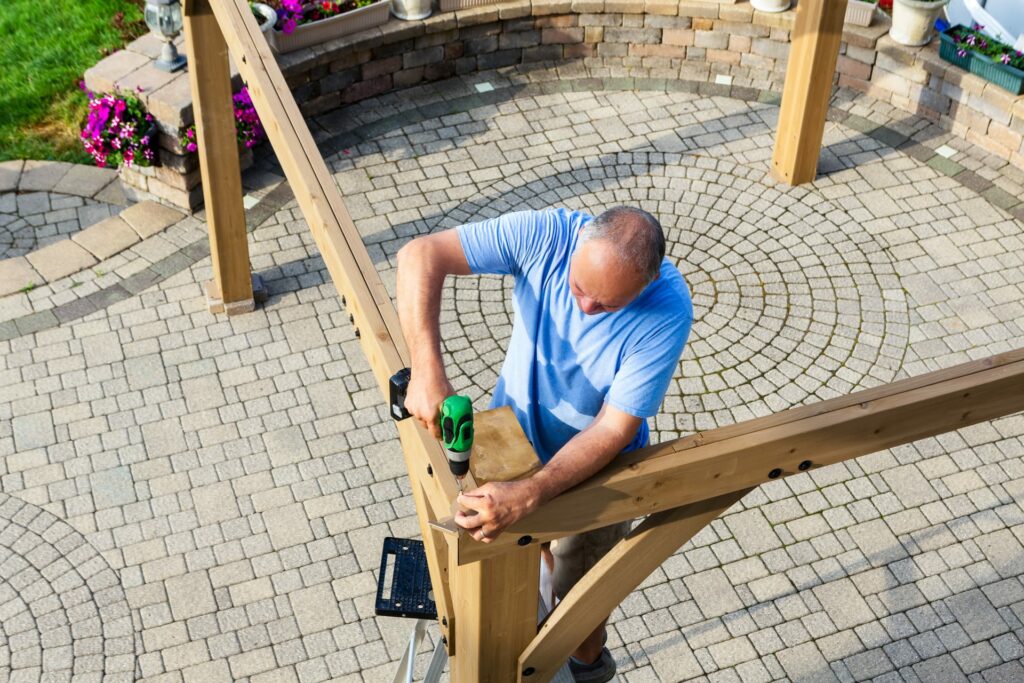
point(289, 25)
point(1005, 58)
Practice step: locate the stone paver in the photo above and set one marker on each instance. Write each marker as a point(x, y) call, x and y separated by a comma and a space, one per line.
point(17, 274)
point(235, 476)
point(60, 259)
point(106, 238)
point(148, 218)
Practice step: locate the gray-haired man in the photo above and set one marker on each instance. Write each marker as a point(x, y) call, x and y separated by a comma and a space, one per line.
point(601, 318)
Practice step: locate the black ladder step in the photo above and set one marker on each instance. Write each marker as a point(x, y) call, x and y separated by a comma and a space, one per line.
point(405, 581)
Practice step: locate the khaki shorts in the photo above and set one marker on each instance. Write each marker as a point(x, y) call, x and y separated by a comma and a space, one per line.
point(575, 555)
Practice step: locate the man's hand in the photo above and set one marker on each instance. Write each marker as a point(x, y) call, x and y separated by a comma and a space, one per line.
point(495, 506)
point(423, 399)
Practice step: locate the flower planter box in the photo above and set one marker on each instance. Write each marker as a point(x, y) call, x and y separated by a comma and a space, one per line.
point(948, 49)
point(452, 5)
point(1003, 75)
point(321, 31)
point(860, 12)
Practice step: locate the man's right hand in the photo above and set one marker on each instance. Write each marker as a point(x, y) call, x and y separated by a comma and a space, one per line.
point(424, 397)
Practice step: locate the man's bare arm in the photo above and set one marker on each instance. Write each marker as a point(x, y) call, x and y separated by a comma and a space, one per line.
point(423, 265)
point(498, 505)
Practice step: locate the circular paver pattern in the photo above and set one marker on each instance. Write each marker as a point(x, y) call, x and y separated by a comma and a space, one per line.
point(792, 299)
point(63, 611)
point(31, 220)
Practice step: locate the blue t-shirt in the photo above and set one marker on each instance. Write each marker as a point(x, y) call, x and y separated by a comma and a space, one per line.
point(563, 365)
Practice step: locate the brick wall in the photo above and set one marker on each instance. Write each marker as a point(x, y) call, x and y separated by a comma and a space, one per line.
point(659, 39)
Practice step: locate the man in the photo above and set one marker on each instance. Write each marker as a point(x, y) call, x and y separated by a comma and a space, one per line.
point(601, 318)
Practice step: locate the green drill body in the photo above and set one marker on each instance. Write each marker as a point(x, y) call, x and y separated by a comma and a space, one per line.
point(457, 433)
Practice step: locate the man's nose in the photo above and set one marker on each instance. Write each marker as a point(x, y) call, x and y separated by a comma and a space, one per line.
point(589, 306)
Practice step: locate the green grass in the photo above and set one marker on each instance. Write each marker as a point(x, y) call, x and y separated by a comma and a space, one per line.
point(46, 47)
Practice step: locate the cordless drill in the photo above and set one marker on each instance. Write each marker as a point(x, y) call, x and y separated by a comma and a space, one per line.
point(457, 434)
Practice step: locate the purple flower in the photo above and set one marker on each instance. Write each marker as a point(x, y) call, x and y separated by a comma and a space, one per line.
point(961, 52)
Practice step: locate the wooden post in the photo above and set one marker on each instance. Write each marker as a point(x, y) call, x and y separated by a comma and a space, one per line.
point(496, 613)
point(812, 65)
point(231, 289)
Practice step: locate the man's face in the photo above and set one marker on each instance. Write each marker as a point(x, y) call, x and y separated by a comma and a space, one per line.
point(600, 281)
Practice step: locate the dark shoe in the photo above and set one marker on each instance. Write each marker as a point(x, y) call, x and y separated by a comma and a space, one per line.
point(599, 672)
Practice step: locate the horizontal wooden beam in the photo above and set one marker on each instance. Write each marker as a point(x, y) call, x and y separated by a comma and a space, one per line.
point(740, 456)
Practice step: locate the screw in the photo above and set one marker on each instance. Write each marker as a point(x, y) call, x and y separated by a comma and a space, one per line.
point(357, 333)
point(528, 671)
point(805, 465)
point(525, 540)
point(430, 471)
point(444, 621)
point(775, 474)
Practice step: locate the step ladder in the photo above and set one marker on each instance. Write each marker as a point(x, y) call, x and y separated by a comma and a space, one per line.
point(403, 590)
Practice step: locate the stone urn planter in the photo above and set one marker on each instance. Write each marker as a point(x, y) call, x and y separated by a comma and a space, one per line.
point(913, 21)
point(770, 5)
point(410, 10)
point(265, 15)
point(321, 31)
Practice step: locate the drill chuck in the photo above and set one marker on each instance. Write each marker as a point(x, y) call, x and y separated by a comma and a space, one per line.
point(458, 462)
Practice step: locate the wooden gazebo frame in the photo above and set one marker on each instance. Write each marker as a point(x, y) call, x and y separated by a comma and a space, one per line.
point(486, 593)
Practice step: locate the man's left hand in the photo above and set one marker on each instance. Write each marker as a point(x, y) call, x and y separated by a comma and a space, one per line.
point(493, 507)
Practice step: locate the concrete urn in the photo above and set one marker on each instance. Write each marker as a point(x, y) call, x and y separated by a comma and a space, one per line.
point(913, 21)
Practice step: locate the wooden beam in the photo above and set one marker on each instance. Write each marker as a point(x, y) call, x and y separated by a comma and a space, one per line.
point(812, 64)
point(496, 612)
point(613, 578)
point(346, 258)
point(740, 456)
point(340, 245)
point(230, 290)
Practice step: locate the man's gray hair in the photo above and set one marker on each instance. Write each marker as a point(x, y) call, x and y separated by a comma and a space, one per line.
point(637, 235)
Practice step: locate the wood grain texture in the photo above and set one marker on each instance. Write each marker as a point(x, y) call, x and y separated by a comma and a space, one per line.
point(501, 451)
point(740, 456)
point(210, 81)
point(496, 612)
point(613, 578)
point(345, 256)
point(813, 52)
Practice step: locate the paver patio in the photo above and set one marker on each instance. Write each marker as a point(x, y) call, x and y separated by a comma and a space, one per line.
point(226, 482)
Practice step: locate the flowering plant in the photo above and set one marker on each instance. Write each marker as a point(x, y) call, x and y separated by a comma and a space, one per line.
point(118, 129)
point(973, 40)
point(291, 13)
point(248, 127)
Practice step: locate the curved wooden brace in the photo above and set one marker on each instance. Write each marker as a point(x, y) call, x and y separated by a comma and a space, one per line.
point(613, 578)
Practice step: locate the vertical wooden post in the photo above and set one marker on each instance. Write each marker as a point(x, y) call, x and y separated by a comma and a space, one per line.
point(496, 612)
point(231, 289)
point(812, 64)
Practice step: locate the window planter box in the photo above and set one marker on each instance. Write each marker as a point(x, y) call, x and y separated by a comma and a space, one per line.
point(860, 12)
point(947, 49)
point(1003, 75)
point(452, 5)
point(321, 31)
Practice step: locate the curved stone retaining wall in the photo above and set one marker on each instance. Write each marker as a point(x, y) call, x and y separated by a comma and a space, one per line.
point(679, 42)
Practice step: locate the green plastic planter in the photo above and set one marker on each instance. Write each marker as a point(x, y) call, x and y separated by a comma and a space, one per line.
point(1003, 75)
point(947, 49)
